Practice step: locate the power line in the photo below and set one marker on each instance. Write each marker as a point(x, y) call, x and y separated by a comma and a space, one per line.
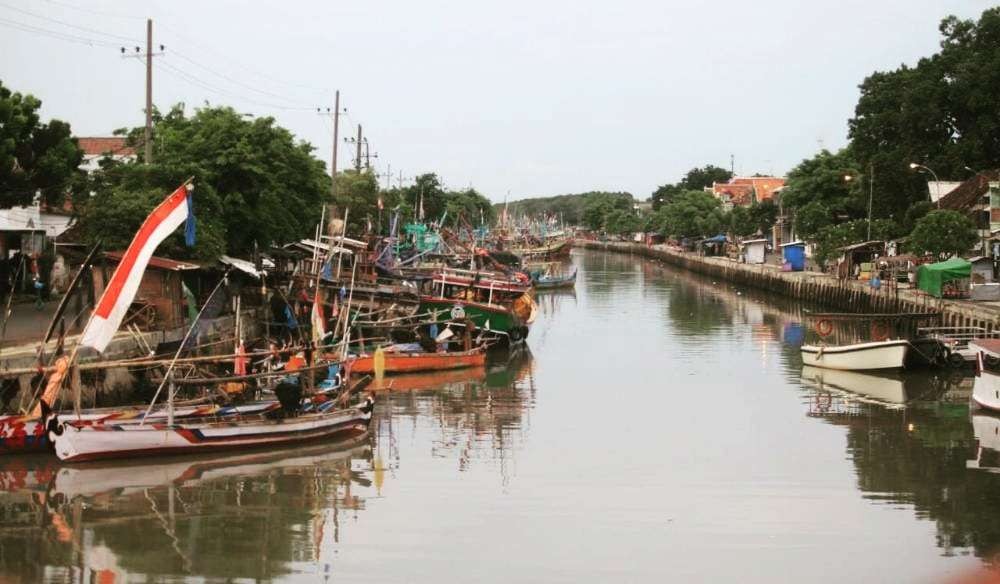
point(194, 80)
point(95, 12)
point(63, 23)
point(54, 34)
point(234, 81)
point(251, 70)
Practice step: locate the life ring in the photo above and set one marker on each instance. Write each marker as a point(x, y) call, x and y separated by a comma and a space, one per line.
point(880, 331)
point(824, 328)
point(457, 312)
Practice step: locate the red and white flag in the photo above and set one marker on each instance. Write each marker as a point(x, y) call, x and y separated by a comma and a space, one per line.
point(124, 283)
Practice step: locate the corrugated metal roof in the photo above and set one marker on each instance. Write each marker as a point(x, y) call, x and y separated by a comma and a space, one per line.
point(158, 262)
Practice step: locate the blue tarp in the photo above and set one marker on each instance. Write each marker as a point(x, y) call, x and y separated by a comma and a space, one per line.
point(716, 239)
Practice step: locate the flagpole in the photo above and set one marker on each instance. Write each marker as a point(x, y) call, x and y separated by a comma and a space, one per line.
point(173, 362)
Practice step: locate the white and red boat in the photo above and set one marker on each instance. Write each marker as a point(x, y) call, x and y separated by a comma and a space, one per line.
point(75, 441)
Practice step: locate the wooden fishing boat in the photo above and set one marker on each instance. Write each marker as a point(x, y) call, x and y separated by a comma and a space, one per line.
point(411, 362)
point(315, 421)
point(554, 282)
point(489, 318)
point(878, 355)
point(26, 434)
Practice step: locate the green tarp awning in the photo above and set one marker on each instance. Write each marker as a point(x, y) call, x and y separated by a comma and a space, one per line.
point(930, 277)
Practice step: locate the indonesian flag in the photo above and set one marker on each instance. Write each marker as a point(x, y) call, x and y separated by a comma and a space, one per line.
point(318, 320)
point(120, 290)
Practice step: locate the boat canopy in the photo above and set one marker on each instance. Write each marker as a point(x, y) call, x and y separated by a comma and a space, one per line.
point(930, 277)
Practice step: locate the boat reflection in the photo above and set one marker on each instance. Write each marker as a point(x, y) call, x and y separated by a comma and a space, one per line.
point(986, 429)
point(480, 416)
point(254, 515)
point(887, 389)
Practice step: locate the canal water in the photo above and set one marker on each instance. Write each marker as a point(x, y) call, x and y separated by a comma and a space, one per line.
point(661, 428)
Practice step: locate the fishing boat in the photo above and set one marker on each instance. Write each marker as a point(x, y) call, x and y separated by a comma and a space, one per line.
point(555, 281)
point(873, 356)
point(499, 306)
point(414, 361)
point(314, 421)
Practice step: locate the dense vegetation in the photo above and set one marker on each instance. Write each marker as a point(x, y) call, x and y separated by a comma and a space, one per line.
point(34, 156)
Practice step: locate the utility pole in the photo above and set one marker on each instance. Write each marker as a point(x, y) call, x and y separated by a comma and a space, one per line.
point(336, 132)
point(357, 160)
point(149, 91)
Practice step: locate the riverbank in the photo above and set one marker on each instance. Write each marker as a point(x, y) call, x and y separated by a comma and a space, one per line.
point(843, 295)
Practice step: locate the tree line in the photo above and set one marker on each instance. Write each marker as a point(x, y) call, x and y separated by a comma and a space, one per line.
point(256, 184)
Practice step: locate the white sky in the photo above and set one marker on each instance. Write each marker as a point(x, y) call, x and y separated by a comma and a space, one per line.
point(538, 98)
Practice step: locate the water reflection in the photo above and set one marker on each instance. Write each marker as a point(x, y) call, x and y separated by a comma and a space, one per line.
point(250, 515)
point(912, 440)
point(478, 414)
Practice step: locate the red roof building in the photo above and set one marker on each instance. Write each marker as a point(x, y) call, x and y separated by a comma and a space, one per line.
point(96, 148)
point(743, 191)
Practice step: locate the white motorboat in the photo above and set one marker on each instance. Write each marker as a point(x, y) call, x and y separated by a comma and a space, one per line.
point(874, 356)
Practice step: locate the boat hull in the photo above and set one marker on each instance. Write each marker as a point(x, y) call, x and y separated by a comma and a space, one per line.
point(413, 362)
point(555, 283)
point(487, 317)
point(80, 443)
point(883, 355)
point(986, 391)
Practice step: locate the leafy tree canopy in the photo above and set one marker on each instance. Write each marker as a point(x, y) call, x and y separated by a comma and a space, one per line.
point(691, 214)
point(34, 156)
point(695, 179)
point(600, 206)
point(941, 113)
point(942, 233)
point(255, 183)
point(569, 207)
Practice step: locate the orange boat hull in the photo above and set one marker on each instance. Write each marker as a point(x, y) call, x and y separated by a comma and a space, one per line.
point(412, 362)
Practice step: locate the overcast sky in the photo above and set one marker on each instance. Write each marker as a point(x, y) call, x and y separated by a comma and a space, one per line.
point(534, 97)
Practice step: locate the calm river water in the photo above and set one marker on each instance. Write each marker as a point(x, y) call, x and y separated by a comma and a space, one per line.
point(660, 429)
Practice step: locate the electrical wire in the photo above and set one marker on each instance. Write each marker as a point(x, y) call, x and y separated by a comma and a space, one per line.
point(247, 68)
point(95, 12)
point(55, 34)
point(234, 81)
point(194, 80)
point(66, 24)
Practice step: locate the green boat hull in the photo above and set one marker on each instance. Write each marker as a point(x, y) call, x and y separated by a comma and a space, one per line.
point(485, 317)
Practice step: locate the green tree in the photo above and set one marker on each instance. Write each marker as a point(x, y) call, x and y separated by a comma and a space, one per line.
point(941, 113)
point(740, 222)
point(599, 206)
point(34, 156)
point(692, 214)
point(821, 179)
point(255, 183)
point(696, 179)
point(763, 215)
point(622, 221)
point(943, 232)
